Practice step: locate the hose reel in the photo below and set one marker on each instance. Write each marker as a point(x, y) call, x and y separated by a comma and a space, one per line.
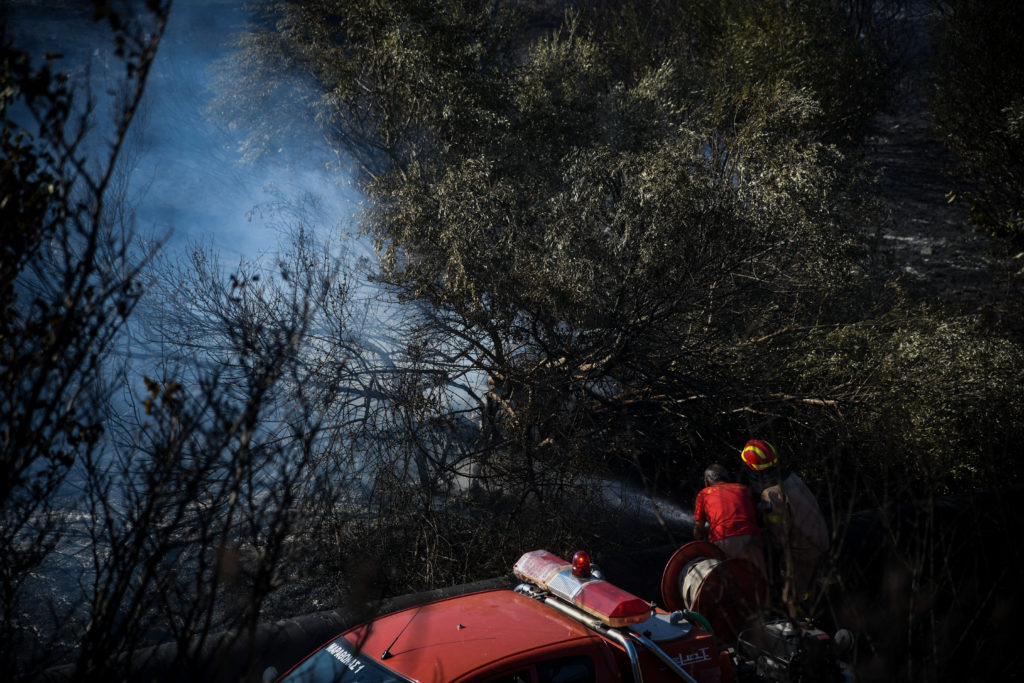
point(728, 592)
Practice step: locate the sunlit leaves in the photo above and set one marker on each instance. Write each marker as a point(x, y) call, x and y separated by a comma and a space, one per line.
point(942, 393)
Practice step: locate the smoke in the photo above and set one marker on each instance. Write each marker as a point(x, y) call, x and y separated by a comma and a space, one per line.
point(184, 174)
point(196, 184)
point(182, 177)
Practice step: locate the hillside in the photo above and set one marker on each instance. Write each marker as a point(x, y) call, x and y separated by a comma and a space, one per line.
point(927, 242)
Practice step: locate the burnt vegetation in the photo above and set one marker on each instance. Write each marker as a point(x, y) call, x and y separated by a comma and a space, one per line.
point(623, 238)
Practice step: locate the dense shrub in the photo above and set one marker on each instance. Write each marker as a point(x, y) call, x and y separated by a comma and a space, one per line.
point(931, 402)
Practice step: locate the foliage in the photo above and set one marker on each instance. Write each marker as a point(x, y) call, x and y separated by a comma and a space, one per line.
point(627, 237)
point(977, 100)
point(929, 402)
point(803, 47)
point(588, 223)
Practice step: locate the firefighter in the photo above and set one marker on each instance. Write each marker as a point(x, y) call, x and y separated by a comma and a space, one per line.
point(727, 510)
point(796, 528)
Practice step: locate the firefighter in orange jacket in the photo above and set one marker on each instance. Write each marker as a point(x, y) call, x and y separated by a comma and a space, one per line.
point(796, 528)
point(727, 510)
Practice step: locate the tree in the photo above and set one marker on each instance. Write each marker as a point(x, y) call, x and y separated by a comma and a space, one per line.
point(152, 503)
point(629, 235)
point(588, 224)
point(69, 282)
point(195, 520)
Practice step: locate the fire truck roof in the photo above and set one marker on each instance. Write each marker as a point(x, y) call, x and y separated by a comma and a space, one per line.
point(449, 639)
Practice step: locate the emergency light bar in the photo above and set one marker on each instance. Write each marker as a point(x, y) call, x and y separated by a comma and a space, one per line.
point(609, 603)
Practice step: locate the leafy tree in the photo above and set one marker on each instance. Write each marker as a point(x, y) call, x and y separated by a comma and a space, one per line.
point(585, 222)
point(629, 237)
point(928, 400)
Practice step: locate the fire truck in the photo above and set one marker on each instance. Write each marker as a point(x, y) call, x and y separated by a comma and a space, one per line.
point(564, 623)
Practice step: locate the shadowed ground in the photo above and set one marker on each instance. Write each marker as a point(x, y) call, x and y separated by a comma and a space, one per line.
point(927, 241)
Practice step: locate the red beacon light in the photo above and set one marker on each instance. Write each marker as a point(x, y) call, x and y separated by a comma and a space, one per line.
point(581, 564)
point(575, 584)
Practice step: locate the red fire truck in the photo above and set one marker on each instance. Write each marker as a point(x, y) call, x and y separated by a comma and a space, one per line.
point(566, 624)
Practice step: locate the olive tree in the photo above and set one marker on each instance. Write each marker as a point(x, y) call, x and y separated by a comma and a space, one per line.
point(594, 228)
point(629, 234)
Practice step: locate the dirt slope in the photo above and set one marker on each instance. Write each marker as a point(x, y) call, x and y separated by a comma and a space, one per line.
point(927, 242)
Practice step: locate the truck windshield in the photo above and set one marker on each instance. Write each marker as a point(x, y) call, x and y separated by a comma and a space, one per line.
point(338, 662)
